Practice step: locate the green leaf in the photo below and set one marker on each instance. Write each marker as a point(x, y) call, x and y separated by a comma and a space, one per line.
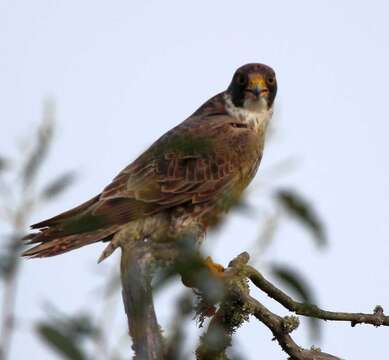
point(6, 266)
point(82, 326)
point(57, 186)
point(43, 140)
point(299, 207)
point(67, 346)
point(294, 281)
point(4, 164)
point(302, 290)
point(10, 255)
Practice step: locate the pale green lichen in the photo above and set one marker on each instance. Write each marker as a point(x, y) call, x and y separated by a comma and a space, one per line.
point(315, 348)
point(290, 323)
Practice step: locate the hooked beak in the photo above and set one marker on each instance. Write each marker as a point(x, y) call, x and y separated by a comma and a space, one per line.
point(257, 86)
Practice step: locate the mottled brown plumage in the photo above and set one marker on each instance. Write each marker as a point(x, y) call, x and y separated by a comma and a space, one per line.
point(183, 183)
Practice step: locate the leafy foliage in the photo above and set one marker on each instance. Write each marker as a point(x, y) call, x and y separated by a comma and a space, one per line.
point(67, 334)
point(19, 198)
point(64, 344)
point(58, 185)
point(300, 287)
point(4, 164)
point(43, 140)
point(9, 255)
point(300, 208)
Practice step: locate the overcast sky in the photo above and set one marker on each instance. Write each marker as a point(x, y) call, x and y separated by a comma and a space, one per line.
point(124, 72)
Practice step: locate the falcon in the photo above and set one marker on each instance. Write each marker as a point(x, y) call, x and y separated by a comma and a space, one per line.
point(183, 183)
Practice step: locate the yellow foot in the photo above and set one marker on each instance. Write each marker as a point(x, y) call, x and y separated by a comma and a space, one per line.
point(215, 269)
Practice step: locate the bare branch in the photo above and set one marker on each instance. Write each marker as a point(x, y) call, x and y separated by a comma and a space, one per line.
point(277, 326)
point(377, 318)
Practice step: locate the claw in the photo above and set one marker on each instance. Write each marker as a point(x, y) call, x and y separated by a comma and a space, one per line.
point(109, 249)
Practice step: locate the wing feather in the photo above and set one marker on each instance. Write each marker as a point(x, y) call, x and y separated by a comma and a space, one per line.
point(191, 164)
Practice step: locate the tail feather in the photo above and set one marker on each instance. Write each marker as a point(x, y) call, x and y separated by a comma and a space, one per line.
point(68, 231)
point(64, 244)
point(93, 221)
point(67, 214)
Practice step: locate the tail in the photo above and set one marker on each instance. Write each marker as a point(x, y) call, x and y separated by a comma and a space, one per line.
point(68, 231)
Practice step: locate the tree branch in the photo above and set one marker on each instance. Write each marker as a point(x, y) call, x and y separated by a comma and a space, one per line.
point(377, 318)
point(138, 303)
point(279, 328)
point(233, 311)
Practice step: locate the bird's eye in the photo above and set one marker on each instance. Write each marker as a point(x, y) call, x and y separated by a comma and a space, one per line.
point(270, 80)
point(241, 79)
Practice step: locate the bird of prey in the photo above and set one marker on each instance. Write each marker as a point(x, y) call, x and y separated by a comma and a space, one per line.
point(183, 183)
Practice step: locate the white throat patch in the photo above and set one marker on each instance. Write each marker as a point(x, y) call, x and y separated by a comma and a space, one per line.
point(255, 115)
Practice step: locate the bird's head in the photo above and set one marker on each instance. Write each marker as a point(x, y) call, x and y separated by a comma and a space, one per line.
point(253, 87)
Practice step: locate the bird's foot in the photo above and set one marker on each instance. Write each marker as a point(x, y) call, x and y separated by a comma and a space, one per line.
point(216, 269)
point(199, 271)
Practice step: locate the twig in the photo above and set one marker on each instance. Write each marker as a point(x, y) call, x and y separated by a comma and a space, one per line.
point(377, 318)
point(278, 327)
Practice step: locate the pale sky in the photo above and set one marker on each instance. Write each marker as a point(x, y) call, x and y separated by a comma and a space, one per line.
point(124, 72)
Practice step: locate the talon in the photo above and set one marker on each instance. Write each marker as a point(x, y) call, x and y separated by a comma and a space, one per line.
point(109, 249)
